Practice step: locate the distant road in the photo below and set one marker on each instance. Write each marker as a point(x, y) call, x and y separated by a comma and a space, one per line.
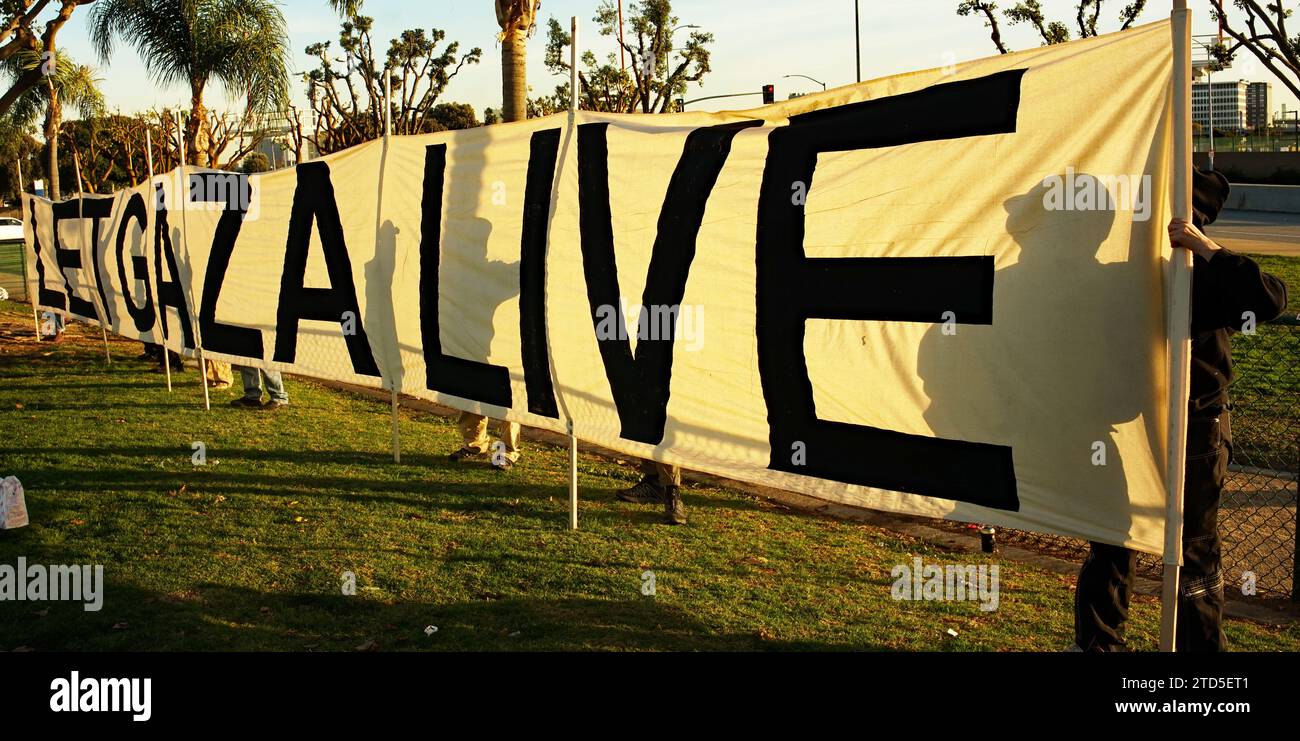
point(1258, 232)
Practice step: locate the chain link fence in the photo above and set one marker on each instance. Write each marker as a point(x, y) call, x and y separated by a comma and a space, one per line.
point(11, 270)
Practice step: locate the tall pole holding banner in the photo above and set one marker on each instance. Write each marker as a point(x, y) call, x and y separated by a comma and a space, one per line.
point(158, 316)
point(184, 196)
point(573, 116)
point(392, 380)
point(1180, 314)
point(81, 219)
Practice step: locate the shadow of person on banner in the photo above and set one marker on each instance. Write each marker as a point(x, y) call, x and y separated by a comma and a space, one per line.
point(381, 313)
point(472, 286)
point(1067, 361)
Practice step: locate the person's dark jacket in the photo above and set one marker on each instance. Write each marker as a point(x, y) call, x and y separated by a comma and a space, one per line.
point(1224, 288)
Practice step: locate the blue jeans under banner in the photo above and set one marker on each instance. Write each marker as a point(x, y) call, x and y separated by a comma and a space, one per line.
point(253, 378)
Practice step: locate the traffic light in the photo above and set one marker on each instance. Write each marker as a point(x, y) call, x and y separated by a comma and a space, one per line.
point(769, 94)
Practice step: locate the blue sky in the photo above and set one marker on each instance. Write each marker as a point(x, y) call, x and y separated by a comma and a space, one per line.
point(769, 39)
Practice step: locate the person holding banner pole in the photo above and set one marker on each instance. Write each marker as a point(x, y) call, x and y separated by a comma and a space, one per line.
point(1229, 293)
point(660, 484)
point(474, 427)
point(254, 379)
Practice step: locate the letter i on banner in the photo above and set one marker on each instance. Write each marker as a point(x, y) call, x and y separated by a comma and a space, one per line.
point(81, 222)
point(148, 232)
point(1179, 330)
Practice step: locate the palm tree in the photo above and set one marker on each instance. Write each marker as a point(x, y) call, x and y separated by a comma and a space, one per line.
point(242, 44)
point(68, 83)
point(346, 8)
point(516, 18)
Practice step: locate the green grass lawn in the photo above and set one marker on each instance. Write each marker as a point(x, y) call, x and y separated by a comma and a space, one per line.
point(1266, 381)
point(1288, 269)
point(248, 552)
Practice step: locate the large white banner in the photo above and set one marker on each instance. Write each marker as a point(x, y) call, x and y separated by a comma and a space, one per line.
point(941, 293)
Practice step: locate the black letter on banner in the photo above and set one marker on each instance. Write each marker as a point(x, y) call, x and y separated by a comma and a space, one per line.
point(233, 190)
point(142, 316)
point(793, 288)
point(44, 296)
point(95, 210)
point(169, 292)
point(640, 383)
point(71, 259)
point(532, 273)
point(313, 200)
point(468, 379)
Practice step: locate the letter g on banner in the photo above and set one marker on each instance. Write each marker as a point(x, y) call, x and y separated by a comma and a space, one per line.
point(793, 288)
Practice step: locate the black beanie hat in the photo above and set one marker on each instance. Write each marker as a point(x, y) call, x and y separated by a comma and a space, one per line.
point(1209, 192)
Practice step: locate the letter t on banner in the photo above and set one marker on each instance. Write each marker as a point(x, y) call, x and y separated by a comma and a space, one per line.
point(81, 223)
point(1180, 315)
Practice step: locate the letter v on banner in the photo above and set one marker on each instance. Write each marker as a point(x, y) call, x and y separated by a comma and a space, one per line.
point(793, 288)
point(640, 382)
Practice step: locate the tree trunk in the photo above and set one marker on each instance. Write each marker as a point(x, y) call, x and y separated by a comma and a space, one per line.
point(196, 131)
point(53, 121)
point(514, 80)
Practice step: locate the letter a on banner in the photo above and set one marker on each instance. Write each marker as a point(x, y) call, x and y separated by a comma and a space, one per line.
point(313, 202)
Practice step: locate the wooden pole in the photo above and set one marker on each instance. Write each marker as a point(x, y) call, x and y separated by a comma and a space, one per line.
point(573, 114)
point(1180, 345)
point(573, 478)
point(159, 317)
point(392, 381)
point(573, 67)
point(81, 220)
point(31, 298)
point(388, 104)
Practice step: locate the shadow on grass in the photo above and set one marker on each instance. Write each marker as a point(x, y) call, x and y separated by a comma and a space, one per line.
point(217, 617)
point(375, 473)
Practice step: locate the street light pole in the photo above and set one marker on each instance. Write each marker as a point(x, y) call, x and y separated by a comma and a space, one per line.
point(806, 77)
point(857, 39)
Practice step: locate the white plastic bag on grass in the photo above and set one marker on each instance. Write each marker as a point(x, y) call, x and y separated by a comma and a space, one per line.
point(13, 508)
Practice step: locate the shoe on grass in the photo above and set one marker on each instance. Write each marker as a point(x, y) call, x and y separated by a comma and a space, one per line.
point(646, 491)
point(271, 405)
point(504, 464)
point(674, 510)
point(247, 403)
point(464, 452)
